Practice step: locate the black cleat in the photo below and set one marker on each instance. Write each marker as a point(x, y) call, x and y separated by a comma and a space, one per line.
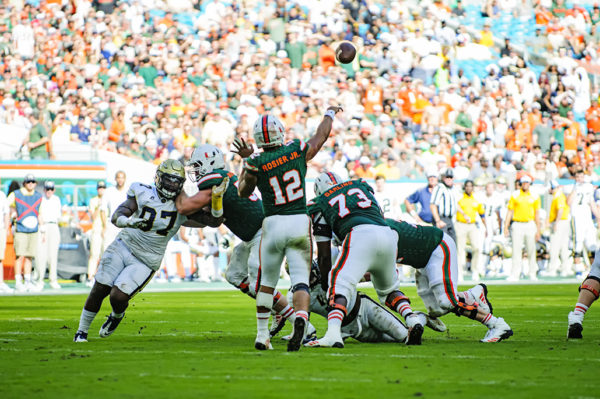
point(277, 325)
point(575, 331)
point(296, 341)
point(414, 335)
point(80, 336)
point(109, 326)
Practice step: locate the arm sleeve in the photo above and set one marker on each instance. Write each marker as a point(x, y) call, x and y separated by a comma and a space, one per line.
point(207, 181)
point(251, 164)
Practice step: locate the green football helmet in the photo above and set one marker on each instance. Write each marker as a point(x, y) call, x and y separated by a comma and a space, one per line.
point(169, 179)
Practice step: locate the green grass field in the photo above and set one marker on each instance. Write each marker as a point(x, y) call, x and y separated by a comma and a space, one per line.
point(200, 344)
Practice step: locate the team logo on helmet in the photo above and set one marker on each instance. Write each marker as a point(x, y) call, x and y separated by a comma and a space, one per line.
point(169, 179)
point(204, 160)
point(325, 181)
point(268, 131)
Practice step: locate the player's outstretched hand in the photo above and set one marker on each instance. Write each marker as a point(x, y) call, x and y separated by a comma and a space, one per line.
point(242, 148)
point(335, 109)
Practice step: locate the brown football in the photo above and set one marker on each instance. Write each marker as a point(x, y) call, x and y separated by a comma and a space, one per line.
point(345, 52)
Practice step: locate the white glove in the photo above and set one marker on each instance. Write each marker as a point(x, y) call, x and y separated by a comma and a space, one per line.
point(136, 223)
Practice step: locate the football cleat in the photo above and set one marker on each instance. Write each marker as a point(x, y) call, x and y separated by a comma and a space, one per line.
point(298, 335)
point(415, 322)
point(501, 330)
point(575, 325)
point(328, 341)
point(311, 334)
point(276, 325)
point(263, 345)
point(4, 288)
point(435, 324)
point(109, 326)
point(479, 293)
point(80, 336)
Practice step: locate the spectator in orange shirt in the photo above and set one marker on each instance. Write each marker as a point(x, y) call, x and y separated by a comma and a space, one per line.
point(373, 95)
point(326, 56)
point(592, 116)
point(519, 134)
point(364, 169)
point(116, 128)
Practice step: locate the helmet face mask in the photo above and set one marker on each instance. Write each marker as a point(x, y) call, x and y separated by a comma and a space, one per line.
point(268, 131)
point(169, 179)
point(325, 181)
point(204, 160)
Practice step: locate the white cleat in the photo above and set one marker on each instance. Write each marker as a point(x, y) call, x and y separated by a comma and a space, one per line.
point(5, 289)
point(328, 341)
point(35, 287)
point(55, 286)
point(20, 287)
point(80, 336)
point(575, 325)
point(435, 324)
point(415, 323)
point(500, 331)
point(479, 294)
point(263, 344)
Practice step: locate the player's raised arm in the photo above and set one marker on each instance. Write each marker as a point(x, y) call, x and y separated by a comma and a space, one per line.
point(248, 178)
point(316, 142)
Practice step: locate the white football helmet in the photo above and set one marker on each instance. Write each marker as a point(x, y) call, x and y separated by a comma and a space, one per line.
point(325, 181)
point(204, 160)
point(268, 131)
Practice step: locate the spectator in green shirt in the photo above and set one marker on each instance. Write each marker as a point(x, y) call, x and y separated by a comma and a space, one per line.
point(38, 137)
point(295, 50)
point(148, 72)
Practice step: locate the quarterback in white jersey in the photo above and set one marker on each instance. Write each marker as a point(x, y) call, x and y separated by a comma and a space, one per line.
point(148, 219)
point(581, 201)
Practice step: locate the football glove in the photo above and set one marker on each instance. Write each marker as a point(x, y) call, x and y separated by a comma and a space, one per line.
point(217, 198)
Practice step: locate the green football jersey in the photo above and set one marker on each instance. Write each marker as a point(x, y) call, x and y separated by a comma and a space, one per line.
point(243, 216)
point(415, 243)
point(281, 178)
point(344, 206)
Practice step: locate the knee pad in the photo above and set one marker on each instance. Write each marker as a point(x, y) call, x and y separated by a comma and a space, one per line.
point(300, 287)
point(264, 300)
point(399, 297)
point(336, 306)
point(589, 288)
point(463, 309)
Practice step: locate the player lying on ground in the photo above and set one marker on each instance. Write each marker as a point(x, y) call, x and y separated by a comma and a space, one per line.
point(349, 211)
point(367, 321)
point(433, 254)
point(148, 219)
point(243, 216)
point(279, 173)
point(588, 293)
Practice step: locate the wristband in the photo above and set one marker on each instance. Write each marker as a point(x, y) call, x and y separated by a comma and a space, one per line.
point(330, 114)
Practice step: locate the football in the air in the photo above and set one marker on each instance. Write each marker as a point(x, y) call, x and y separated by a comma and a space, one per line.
point(345, 52)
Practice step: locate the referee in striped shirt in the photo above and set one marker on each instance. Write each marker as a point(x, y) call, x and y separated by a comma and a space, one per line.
point(443, 203)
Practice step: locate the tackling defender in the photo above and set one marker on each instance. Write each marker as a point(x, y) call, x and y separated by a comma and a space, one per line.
point(243, 216)
point(148, 219)
point(589, 291)
point(433, 254)
point(349, 211)
point(279, 173)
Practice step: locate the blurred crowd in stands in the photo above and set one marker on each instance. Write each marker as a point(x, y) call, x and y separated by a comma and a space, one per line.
point(431, 87)
point(136, 78)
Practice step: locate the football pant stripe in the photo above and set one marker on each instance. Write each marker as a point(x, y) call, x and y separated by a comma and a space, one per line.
point(340, 264)
point(448, 288)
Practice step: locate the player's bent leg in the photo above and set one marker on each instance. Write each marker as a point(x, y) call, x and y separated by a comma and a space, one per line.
point(589, 291)
point(415, 321)
point(119, 302)
point(381, 319)
point(90, 310)
point(302, 300)
point(477, 294)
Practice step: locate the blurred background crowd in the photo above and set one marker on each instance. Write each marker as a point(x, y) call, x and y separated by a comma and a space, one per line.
point(494, 89)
